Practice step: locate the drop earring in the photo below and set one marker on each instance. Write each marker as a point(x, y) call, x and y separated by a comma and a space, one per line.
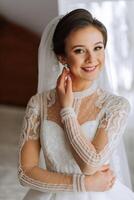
point(66, 65)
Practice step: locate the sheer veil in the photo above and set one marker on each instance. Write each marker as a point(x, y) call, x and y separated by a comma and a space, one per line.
point(48, 66)
point(48, 71)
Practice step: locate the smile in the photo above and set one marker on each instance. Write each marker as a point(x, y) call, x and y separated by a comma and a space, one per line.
point(89, 69)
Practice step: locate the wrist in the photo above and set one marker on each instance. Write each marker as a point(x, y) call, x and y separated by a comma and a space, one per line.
point(67, 112)
point(79, 183)
point(88, 183)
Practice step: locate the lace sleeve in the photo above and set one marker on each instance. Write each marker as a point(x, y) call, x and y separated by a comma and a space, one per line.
point(30, 127)
point(113, 124)
point(31, 121)
point(115, 116)
point(34, 176)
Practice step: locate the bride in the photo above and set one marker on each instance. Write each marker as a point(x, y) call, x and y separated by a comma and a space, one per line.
point(77, 123)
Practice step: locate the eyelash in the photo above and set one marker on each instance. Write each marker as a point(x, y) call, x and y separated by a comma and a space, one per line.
point(98, 48)
point(80, 51)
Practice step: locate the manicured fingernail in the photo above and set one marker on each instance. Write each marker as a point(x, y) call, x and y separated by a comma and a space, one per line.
point(69, 78)
point(67, 69)
point(66, 78)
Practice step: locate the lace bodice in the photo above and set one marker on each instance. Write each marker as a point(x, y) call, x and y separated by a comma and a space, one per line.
point(95, 114)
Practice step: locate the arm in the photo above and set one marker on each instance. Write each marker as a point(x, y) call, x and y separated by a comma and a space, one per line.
point(29, 172)
point(90, 156)
point(94, 154)
point(43, 180)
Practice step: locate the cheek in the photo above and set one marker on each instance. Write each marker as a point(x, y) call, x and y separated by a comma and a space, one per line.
point(74, 62)
point(101, 58)
point(74, 66)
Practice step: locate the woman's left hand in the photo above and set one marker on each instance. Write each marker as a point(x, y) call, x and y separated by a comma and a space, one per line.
point(64, 89)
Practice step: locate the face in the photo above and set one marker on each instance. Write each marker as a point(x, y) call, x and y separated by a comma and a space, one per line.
point(84, 50)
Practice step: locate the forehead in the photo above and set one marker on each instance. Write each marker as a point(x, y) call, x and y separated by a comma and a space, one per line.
point(83, 36)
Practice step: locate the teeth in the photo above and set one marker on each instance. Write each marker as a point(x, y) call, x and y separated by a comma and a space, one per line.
point(89, 68)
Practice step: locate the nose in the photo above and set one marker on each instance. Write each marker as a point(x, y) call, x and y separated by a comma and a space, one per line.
point(90, 57)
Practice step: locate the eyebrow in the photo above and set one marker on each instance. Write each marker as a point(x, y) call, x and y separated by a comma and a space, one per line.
point(99, 43)
point(75, 46)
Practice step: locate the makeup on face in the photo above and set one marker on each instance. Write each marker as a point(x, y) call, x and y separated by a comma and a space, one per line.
point(85, 54)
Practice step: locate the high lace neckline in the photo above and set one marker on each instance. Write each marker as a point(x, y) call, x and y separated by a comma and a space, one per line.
point(87, 92)
point(51, 95)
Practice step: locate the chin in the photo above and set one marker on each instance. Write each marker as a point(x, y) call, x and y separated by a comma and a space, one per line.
point(91, 78)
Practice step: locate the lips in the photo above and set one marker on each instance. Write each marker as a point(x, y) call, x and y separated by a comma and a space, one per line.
point(89, 69)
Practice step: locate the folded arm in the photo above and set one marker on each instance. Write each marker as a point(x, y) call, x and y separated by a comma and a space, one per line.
point(94, 154)
point(29, 172)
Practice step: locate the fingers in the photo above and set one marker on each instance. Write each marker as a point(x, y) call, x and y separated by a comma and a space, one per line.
point(105, 167)
point(69, 85)
point(111, 179)
point(64, 83)
point(111, 172)
point(61, 82)
point(111, 183)
point(110, 175)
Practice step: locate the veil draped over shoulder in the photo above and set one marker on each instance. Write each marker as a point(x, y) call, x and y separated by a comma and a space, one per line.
point(48, 71)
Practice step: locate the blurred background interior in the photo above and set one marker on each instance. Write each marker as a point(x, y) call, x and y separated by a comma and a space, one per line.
point(21, 25)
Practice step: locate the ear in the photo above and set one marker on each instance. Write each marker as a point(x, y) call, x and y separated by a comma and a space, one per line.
point(62, 59)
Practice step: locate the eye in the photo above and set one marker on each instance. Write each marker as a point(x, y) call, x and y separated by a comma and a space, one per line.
point(79, 51)
point(97, 48)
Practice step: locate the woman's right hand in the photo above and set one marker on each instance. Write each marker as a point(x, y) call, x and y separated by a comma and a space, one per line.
point(101, 181)
point(64, 89)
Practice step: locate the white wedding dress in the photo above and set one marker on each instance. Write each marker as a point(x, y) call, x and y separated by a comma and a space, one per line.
point(59, 158)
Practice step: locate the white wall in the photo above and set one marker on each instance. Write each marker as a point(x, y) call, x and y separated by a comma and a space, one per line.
point(34, 14)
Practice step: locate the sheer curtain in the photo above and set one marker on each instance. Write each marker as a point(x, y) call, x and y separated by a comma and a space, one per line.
point(118, 16)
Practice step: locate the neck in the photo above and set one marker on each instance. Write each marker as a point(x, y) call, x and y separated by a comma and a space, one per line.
point(80, 85)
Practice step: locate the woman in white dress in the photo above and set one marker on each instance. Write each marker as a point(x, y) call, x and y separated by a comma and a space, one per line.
point(77, 124)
